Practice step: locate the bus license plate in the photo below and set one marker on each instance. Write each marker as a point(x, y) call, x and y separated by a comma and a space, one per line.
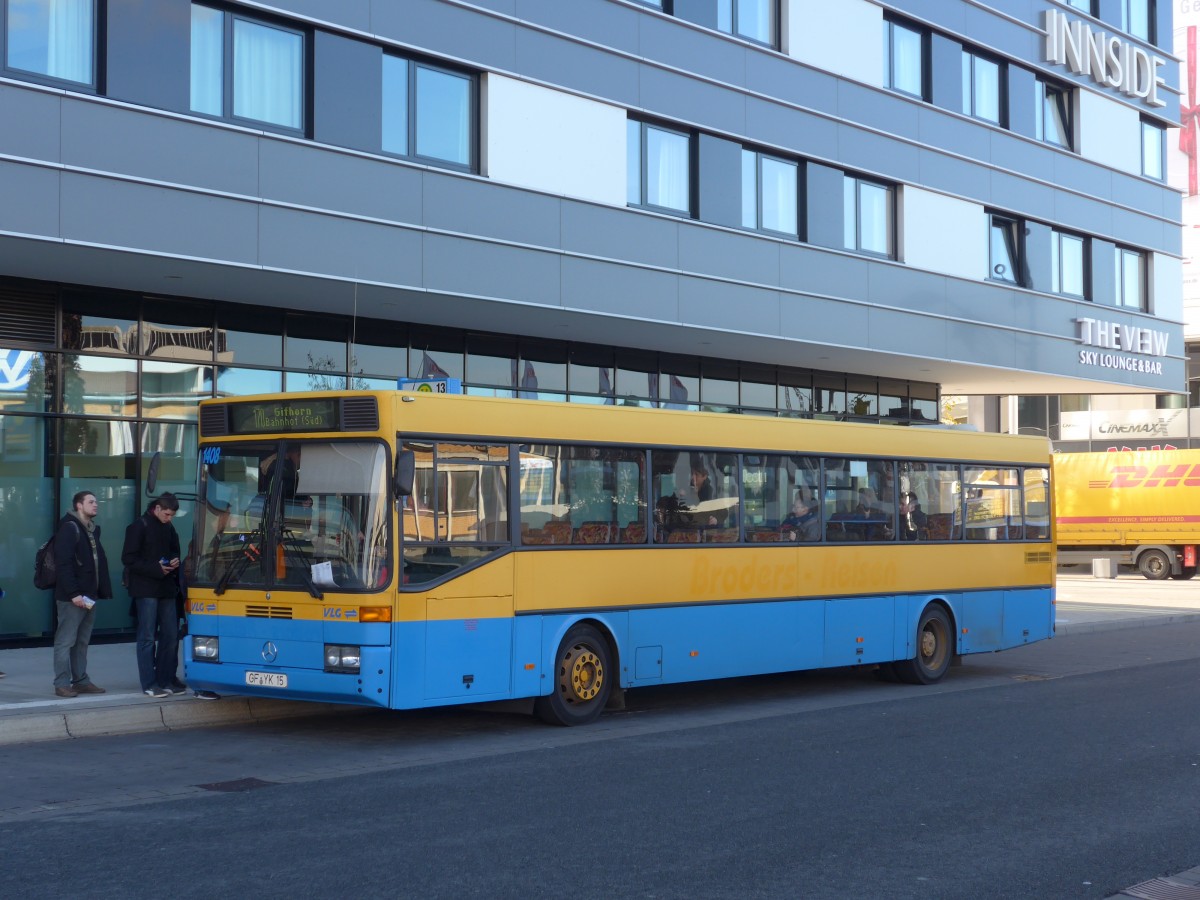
point(266, 679)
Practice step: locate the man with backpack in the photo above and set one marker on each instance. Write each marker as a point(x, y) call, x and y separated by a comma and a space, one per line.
point(81, 579)
point(151, 559)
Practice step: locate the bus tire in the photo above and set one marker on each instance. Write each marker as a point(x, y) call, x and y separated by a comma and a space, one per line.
point(935, 649)
point(1185, 573)
point(1153, 564)
point(582, 679)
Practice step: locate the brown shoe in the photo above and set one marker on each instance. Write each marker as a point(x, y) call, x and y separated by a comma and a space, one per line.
point(88, 688)
point(66, 692)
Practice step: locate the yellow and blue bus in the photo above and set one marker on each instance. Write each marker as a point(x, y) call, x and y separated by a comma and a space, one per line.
point(403, 549)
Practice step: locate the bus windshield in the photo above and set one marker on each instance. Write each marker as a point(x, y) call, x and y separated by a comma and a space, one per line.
point(310, 515)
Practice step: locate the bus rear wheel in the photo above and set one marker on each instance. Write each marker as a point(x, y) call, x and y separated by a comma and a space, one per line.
point(1153, 564)
point(582, 679)
point(935, 648)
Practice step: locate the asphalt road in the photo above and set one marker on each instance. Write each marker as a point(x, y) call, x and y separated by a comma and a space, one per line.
point(1069, 768)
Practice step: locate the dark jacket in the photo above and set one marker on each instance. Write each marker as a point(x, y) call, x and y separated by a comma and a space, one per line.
point(148, 540)
point(77, 572)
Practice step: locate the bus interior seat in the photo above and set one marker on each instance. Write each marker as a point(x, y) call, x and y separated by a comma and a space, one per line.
point(595, 533)
point(721, 536)
point(634, 533)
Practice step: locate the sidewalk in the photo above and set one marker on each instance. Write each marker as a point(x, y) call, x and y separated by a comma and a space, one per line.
point(1129, 601)
point(30, 712)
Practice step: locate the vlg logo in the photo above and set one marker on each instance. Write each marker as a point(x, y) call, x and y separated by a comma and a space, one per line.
point(15, 368)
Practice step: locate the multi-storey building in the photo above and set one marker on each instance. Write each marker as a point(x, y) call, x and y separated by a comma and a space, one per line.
point(771, 207)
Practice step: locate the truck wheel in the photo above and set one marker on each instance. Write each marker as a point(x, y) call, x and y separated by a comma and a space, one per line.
point(1154, 565)
point(1185, 573)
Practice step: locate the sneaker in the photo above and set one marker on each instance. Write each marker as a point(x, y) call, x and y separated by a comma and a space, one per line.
point(88, 688)
point(65, 692)
point(156, 692)
point(177, 687)
point(207, 695)
point(1, 674)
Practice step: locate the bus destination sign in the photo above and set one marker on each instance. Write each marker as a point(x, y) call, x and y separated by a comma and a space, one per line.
point(281, 416)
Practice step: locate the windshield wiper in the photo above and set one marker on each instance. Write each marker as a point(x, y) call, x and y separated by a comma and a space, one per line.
point(295, 554)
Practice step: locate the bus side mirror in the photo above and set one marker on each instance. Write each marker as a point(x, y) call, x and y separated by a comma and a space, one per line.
point(406, 467)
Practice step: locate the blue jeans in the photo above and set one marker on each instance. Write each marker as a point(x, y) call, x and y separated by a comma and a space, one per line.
point(71, 644)
point(157, 618)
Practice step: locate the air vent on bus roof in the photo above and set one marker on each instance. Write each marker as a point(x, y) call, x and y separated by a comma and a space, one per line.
point(360, 414)
point(214, 420)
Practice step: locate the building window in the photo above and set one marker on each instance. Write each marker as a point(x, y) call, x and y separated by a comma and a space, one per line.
point(1131, 278)
point(904, 58)
point(868, 221)
point(1137, 18)
point(769, 193)
point(1006, 255)
point(1068, 264)
point(659, 163)
point(1085, 6)
point(1153, 144)
point(247, 69)
point(54, 38)
point(982, 88)
point(1054, 123)
point(752, 19)
point(428, 112)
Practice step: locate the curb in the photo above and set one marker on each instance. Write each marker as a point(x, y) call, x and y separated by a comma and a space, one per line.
point(1068, 629)
point(111, 720)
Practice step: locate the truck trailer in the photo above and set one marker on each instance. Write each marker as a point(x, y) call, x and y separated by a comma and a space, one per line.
point(1138, 508)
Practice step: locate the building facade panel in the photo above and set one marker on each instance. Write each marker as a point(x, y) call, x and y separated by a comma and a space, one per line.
point(322, 245)
point(462, 205)
point(40, 112)
point(597, 71)
point(553, 141)
point(823, 274)
point(31, 199)
point(943, 234)
point(484, 268)
point(347, 92)
point(328, 179)
point(146, 39)
point(157, 219)
point(610, 289)
point(829, 37)
point(456, 32)
point(615, 234)
point(706, 303)
point(146, 146)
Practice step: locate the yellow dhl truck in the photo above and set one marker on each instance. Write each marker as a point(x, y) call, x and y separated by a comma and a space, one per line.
point(1139, 508)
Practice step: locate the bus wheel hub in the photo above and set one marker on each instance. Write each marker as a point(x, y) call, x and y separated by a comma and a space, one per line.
point(586, 672)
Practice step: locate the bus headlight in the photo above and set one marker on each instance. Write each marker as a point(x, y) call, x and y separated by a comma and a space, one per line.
point(342, 658)
point(205, 648)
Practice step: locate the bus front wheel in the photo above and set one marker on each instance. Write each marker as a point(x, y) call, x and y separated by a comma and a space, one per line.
point(1154, 565)
point(935, 648)
point(582, 679)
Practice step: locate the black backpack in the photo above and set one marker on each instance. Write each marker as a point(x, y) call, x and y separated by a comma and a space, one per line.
point(45, 573)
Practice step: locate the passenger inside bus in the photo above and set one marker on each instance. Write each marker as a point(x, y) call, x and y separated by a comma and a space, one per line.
point(914, 524)
point(803, 524)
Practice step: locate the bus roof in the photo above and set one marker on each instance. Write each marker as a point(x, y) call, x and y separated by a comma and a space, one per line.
point(502, 419)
